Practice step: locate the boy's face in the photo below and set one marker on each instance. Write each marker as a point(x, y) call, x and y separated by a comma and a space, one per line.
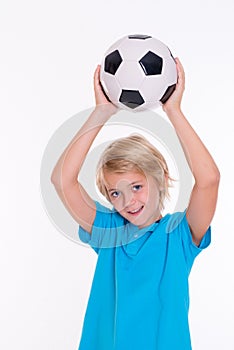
point(134, 196)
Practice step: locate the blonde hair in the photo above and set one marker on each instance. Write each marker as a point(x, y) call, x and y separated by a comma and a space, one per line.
point(134, 153)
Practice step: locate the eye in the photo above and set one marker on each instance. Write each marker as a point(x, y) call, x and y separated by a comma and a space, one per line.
point(115, 194)
point(137, 188)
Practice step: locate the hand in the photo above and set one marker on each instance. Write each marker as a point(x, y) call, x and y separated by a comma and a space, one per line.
point(102, 101)
point(174, 101)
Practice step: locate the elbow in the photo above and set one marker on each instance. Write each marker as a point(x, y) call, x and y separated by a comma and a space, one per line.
point(55, 179)
point(60, 181)
point(215, 177)
point(214, 180)
point(52, 178)
point(210, 179)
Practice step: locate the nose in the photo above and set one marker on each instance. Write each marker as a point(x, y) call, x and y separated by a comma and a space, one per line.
point(129, 199)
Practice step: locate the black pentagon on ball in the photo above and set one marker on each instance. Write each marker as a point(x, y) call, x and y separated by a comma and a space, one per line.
point(151, 63)
point(131, 98)
point(168, 93)
point(139, 36)
point(112, 62)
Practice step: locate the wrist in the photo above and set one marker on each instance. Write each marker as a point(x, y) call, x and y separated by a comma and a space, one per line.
point(101, 113)
point(173, 112)
point(105, 110)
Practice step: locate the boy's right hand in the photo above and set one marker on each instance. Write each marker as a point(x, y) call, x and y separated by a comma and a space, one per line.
point(100, 98)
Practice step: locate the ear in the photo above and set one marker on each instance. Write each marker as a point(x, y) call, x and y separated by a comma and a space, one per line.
point(165, 182)
point(166, 179)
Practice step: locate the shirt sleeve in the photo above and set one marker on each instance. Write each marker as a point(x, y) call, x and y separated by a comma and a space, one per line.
point(179, 224)
point(106, 231)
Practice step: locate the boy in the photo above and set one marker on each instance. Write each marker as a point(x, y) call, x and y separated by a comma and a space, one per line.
point(139, 297)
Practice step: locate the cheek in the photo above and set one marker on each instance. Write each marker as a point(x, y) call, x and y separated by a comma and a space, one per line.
point(157, 199)
point(117, 204)
point(154, 197)
point(146, 194)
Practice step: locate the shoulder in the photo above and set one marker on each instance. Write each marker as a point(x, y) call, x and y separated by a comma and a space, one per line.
point(107, 217)
point(174, 221)
point(107, 229)
point(177, 228)
point(177, 238)
point(178, 222)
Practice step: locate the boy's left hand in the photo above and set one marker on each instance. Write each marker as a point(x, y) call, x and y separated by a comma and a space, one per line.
point(174, 101)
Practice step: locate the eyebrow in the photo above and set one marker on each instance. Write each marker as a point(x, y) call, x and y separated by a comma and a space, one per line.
point(132, 183)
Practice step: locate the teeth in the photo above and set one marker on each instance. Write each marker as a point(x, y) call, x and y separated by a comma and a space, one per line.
point(135, 211)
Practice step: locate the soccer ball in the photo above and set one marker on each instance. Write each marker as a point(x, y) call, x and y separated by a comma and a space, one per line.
point(138, 72)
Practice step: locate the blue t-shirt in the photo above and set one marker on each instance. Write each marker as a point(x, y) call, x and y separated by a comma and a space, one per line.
point(139, 298)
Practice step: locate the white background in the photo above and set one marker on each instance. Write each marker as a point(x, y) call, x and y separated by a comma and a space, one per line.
point(48, 52)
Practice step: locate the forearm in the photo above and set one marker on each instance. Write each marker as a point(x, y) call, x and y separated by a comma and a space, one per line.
point(67, 169)
point(200, 161)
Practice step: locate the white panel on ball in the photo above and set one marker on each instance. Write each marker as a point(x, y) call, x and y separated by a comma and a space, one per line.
point(129, 75)
point(112, 88)
point(131, 50)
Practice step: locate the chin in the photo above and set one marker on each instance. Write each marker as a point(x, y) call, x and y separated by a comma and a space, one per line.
point(140, 222)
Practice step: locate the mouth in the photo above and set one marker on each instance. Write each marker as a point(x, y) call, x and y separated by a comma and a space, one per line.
point(135, 212)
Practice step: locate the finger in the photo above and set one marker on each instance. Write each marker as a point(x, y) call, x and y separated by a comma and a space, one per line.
point(180, 67)
point(180, 72)
point(97, 74)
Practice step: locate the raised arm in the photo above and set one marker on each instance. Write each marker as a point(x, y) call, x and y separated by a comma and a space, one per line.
point(204, 194)
point(65, 174)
